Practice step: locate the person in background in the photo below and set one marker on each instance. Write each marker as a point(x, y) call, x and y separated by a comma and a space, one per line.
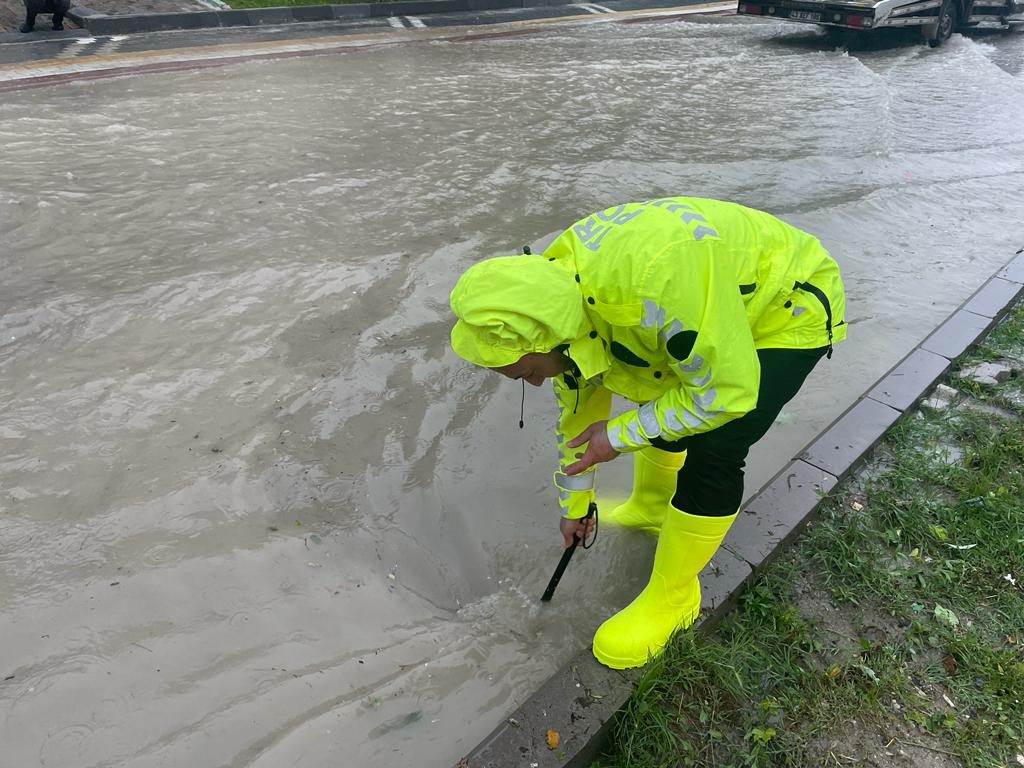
point(34, 7)
point(706, 315)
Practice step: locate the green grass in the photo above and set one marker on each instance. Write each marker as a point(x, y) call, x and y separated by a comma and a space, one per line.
point(284, 3)
point(893, 605)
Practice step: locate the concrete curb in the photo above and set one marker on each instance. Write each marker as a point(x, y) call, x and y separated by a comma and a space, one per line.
point(101, 24)
point(41, 35)
point(581, 700)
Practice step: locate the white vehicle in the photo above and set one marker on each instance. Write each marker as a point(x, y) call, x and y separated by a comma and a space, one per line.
point(938, 19)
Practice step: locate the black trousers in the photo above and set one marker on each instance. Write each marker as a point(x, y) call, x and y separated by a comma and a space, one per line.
point(710, 484)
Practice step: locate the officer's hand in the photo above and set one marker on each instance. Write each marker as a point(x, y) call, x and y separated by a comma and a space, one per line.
point(581, 528)
point(598, 448)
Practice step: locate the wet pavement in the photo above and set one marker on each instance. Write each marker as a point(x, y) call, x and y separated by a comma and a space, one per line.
point(254, 511)
point(61, 57)
point(40, 45)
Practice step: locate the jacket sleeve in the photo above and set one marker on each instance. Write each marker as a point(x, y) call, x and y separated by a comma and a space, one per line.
point(704, 334)
point(578, 409)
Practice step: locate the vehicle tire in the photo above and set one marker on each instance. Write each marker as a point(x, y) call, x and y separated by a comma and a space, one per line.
point(947, 21)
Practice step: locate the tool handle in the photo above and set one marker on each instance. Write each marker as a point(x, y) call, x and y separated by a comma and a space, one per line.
point(564, 561)
point(557, 575)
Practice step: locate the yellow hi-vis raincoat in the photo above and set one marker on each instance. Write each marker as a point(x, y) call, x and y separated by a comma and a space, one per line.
point(664, 302)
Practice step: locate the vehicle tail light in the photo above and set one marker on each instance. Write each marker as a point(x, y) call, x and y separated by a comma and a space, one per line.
point(750, 9)
point(858, 21)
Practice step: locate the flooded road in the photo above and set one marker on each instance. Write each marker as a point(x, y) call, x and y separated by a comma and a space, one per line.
point(254, 511)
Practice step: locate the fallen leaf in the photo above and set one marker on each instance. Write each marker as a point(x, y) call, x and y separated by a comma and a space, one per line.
point(869, 673)
point(857, 506)
point(949, 663)
point(946, 616)
point(553, 739)
point(1011, 639)
point(833, 672)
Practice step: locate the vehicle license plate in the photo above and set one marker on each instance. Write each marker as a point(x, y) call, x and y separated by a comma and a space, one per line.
point(805, 15)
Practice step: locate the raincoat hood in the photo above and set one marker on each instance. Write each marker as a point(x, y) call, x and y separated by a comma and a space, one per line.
point(509, 306)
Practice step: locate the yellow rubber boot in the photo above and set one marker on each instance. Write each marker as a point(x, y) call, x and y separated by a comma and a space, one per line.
point(654, 485)
point(671, 599)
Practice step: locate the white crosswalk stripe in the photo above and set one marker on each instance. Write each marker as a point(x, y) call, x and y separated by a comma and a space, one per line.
point(415, 22)
point(111, 45)
point(396, 22)
point(76, 47)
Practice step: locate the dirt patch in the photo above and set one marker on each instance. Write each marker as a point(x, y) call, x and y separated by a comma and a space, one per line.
point(890, 744)
point(846, 626)
point(819, 608)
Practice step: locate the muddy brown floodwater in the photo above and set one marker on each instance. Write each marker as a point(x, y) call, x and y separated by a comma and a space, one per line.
point(253, 512)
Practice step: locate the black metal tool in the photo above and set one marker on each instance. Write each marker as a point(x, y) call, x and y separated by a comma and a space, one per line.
point(566, 557)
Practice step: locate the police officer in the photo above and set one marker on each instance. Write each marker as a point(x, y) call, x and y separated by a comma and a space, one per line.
point(707, 316)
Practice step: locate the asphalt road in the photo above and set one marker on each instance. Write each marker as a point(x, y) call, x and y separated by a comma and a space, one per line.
point(73, 46)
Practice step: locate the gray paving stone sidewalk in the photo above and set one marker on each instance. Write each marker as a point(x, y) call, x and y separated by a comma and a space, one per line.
point(12, 12)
